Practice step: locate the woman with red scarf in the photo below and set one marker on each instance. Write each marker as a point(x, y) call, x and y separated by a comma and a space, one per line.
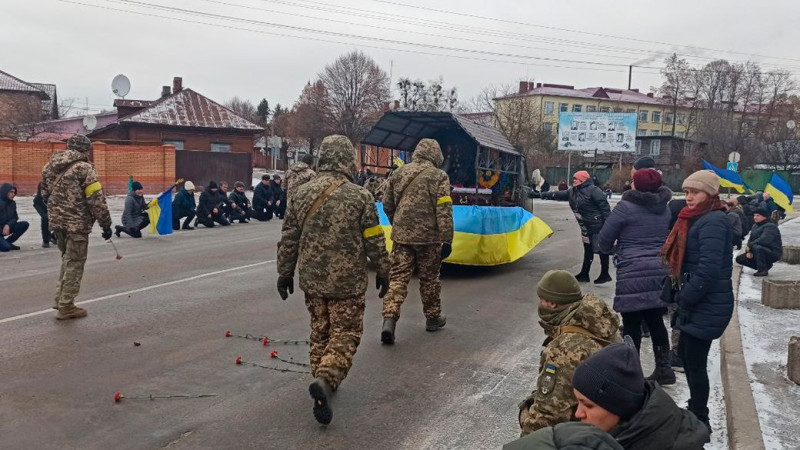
point(699, 253)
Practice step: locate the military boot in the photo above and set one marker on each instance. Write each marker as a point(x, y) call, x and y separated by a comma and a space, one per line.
point(435, 324)
point(321, 392)
point(387, 333)
point(663, 373)
point(74, 313)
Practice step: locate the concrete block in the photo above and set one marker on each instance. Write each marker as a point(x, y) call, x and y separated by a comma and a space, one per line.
point(781, 294)
point(793, 368)
point(791, 254)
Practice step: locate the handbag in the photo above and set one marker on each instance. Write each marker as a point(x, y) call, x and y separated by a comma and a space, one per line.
point(669, 291)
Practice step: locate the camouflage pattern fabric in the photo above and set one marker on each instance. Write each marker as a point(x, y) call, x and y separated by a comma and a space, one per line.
point(427, 259)
point(336, 329)
point(332, 247)
point(78, 200)
point(422, 213)
point(299, 174)
point(553, 399)
point(74, 247)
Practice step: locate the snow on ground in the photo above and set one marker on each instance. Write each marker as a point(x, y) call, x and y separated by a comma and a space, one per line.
point(765, 336)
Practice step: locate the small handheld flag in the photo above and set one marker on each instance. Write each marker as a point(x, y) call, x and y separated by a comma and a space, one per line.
point(160, 213)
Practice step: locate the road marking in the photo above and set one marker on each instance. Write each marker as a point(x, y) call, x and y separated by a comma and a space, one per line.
point(142, 289)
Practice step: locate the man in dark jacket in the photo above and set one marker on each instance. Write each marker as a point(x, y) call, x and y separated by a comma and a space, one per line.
point(240, 204)
point(566, 436)
point(10, 225)
point(590, 206)
point(184, 205)
point(764, 247)
point(262, 200)
point(229, 209)
point(614, 396)
point(278, 206)
point(40, 205)
point(134, 216)
point(209, 209)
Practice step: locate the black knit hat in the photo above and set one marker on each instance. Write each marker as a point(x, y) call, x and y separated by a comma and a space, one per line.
point(612, 378)
point(645, 162)
point(212, 185)
point(238, 184)
point(276, 177)
point(762, 210)
point(136, 186)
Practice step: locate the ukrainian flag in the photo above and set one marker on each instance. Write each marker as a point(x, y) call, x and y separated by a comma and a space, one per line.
point(487, 235)
point(160, 212)
point(781, 192)
point(727, 178)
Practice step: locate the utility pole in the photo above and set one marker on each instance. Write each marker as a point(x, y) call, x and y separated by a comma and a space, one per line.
point(630, 76)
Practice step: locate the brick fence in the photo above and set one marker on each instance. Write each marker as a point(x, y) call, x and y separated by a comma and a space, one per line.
point(21, 163)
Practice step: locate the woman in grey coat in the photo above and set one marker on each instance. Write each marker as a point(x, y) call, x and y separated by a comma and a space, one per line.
point(134, 216)
point(639, 226)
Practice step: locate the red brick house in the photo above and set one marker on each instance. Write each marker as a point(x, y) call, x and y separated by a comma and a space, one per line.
point(22, 103)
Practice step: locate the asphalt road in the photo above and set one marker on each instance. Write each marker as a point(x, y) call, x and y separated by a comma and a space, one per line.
point(177, 295)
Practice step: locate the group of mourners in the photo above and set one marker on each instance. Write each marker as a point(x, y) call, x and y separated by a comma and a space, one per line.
point(673, 258)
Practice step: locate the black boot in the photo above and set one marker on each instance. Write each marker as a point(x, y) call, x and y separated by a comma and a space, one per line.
point(663, 373)
point(645, 330)
point(118, 229)
point(321, 391)
point(435, 324)
point(604, 276)
point(387, 333)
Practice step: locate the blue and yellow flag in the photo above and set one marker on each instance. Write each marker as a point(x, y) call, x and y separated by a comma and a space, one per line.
point(160, 212)
point(727, 178)
point(781, 192)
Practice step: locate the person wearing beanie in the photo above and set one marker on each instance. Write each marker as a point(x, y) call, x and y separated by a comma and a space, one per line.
point(614, 396)
point(209, 208)
point(645, 162)
point(239, 199)
point(590, 206)
point(184, 205)
point(134, 216)
point(576, 326)
point(764, 248)
point(262, 200)
point(11, 228)
point(699, 252)
point(636, 229)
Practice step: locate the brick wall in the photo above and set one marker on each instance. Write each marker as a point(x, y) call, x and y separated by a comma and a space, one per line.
point(21, 163)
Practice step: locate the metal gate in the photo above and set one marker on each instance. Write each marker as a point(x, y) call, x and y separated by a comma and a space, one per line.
point(201, 167)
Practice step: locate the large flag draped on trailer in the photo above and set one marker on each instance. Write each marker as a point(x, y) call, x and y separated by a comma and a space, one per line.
point(727, 178)
point(781, 192)
point(160, 212)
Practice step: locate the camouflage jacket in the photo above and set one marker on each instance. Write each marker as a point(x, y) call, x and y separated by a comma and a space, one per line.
point(299, 174)
point(331, 247)
point(553, 399)
point(423, 212)
point(78, 200)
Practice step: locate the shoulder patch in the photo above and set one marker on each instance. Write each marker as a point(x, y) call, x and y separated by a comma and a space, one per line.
point(547, 379)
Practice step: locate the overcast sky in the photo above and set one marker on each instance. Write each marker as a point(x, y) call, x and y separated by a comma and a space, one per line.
point(81, 48)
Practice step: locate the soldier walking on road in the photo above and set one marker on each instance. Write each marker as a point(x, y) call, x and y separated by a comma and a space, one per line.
point(75, 200)
point(330, 229)
point(418, 204)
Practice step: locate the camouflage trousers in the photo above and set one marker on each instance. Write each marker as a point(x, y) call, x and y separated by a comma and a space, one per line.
point(74, 248)
point(427, 259)
point(336, 328)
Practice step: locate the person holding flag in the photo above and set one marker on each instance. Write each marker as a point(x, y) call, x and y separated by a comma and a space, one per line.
point(160, 211)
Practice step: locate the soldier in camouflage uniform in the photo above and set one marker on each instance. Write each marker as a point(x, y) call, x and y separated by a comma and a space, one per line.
point(299, 174)
point(576, 326)
point(330, 229)
point(418, 204)
point(75, 200)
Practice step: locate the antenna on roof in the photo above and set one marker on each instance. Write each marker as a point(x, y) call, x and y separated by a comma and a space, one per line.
point(121, 85)
point(90, 122)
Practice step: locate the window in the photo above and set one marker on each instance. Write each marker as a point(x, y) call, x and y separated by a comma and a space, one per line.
point(591, 108)
point(605, 109)
point(630, 110)
point(655, 147)
point(655, 133)
point(643, 115)
point(680, 134)
point(687, 148)
point(547, 127)
point(178, 144)
point(656, 117)
point(668, 118)
point(577, 108)
point(617, 109)
point(638, 147)
point(681, 118)
point(549, 107)
point(641, 132)
point(563, 107)
point(220, 147)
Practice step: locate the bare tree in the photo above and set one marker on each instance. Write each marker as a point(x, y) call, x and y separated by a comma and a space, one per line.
point(433, 96)
point(357, 89)
point(309, 115)
point(244, 109)
point(677, 84)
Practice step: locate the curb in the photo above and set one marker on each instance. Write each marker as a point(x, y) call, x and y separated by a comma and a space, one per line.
point(744, 430)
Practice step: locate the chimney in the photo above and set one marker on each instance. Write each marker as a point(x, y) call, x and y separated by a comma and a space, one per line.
point(523, 87)
point(177, 85)
point(165, 91)
point(538, 85)
point(650, 94)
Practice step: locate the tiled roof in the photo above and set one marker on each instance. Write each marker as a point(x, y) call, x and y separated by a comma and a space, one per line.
point(189, 109)
point(121, 102)
point(50, 90)
point(11, 83)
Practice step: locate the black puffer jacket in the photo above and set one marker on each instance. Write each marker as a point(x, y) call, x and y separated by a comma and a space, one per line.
point(208, 201)
point(566, 436)
point(766, 235)
point(240, 199)
point(261, 195)
point(8, 208)
point(661, 425)
point(587, 201)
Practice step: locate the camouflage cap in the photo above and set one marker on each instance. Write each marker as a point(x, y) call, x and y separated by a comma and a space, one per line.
point(429, 150)
point(336, 154)
point(79, 143)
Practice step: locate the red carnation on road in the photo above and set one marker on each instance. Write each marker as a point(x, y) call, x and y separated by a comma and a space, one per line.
point(265, 341)
point(273, 354)
point(238, 360)
point(118, 397)
point(228, 333)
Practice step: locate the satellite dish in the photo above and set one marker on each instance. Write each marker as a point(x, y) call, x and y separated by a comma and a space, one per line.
point(90, 123)
point(121, 85)
point(791, 124)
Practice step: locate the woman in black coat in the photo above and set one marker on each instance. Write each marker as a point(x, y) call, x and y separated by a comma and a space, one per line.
point(590, 206)
point(699, 252)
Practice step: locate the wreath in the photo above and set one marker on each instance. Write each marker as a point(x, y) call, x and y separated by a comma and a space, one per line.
point(488, 179)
